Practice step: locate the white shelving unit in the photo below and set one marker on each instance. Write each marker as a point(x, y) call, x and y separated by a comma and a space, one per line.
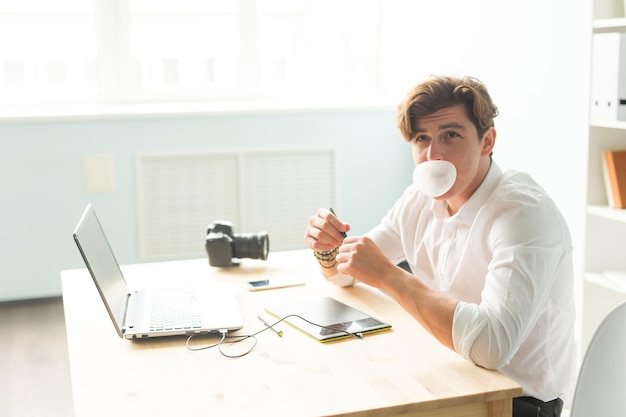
point(609, 24)
point(605, 227)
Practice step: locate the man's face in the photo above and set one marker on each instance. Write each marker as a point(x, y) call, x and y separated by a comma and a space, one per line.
point(449, 135)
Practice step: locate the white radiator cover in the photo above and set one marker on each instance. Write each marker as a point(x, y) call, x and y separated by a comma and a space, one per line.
point(180, 194)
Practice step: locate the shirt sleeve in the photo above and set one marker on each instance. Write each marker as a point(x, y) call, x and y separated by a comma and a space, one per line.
point(531, 246)
point(341, 280)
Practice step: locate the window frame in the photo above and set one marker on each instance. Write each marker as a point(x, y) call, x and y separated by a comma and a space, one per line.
point(114, 71)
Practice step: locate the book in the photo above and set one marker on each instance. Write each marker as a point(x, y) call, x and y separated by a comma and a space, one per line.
point(616, 168)
point(607, 182)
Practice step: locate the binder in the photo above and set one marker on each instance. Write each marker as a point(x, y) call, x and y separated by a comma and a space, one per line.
point(608, 77)
point(616, 168)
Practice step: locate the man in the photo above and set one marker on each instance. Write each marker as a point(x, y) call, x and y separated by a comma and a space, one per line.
point(490, 253)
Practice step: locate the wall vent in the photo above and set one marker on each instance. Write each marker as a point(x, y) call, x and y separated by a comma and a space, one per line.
point(180, 194)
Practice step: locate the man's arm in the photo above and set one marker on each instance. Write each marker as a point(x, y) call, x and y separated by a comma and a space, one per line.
point(362, 259)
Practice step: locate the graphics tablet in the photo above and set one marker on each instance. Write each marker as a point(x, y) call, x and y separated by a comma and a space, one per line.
point(339, 320)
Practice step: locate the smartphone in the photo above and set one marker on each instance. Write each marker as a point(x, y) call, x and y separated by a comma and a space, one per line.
point(268, 284)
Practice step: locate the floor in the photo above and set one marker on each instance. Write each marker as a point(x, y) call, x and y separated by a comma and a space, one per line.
point(34, 365)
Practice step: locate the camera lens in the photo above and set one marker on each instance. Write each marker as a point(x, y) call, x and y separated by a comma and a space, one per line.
point(251, 245)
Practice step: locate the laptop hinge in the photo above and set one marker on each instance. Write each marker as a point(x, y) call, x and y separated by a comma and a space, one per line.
point(126, 309)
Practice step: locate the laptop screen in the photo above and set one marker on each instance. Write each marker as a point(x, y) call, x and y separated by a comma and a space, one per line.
point(103, 267)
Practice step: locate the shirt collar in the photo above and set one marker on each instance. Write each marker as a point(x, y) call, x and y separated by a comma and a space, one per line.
point(469, 210)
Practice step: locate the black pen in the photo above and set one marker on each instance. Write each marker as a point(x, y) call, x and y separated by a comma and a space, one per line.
point(344, 234)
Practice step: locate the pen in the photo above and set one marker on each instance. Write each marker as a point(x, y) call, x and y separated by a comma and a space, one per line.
point(266, 323)
point(344, 234)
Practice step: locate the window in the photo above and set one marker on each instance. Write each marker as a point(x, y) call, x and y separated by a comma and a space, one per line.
point(47, 51)
point(129, 51)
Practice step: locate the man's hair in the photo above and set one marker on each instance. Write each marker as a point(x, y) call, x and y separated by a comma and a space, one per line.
point(440, 92)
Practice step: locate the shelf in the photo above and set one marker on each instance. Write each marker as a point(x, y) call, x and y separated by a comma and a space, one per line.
point(608, 213)
point(604, 274)
point(612, 280)
point(617, 124)
point(617, 24)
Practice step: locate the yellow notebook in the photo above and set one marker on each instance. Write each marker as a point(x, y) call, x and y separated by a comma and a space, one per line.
point(326, 319)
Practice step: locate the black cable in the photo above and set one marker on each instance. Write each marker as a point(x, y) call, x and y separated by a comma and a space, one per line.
point(241, 338)
point(188, 346)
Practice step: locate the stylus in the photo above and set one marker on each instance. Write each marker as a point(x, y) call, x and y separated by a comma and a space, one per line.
point(344, 234)
point(274, 329)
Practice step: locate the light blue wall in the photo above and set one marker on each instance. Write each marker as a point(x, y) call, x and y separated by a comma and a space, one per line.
point(533, 56)
point(42, 192)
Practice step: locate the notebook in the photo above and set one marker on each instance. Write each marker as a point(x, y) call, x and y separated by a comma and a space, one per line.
point(329, 319)
point(142, 313)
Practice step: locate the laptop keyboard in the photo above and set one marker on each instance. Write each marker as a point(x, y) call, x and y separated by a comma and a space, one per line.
point(175, 309)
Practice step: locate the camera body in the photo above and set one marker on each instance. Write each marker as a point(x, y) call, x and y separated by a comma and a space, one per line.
point(223, 245)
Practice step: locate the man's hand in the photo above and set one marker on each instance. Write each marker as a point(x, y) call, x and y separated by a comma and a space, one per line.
point(363, 260)
point(324, 232)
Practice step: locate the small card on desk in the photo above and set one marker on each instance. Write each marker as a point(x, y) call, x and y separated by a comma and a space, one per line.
point(326, 319)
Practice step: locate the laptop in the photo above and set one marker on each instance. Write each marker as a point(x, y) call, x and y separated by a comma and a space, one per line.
point(139, 313)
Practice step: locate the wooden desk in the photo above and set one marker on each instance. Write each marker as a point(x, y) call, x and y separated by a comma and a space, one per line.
point(403, 372)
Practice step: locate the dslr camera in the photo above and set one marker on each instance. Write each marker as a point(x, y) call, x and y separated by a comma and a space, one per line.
point(223, 245)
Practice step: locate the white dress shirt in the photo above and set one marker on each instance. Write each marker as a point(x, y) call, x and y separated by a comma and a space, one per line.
point(507, 255)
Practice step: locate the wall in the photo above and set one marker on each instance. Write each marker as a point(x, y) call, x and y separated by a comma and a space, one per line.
point(533, 56)
point(42, 193)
